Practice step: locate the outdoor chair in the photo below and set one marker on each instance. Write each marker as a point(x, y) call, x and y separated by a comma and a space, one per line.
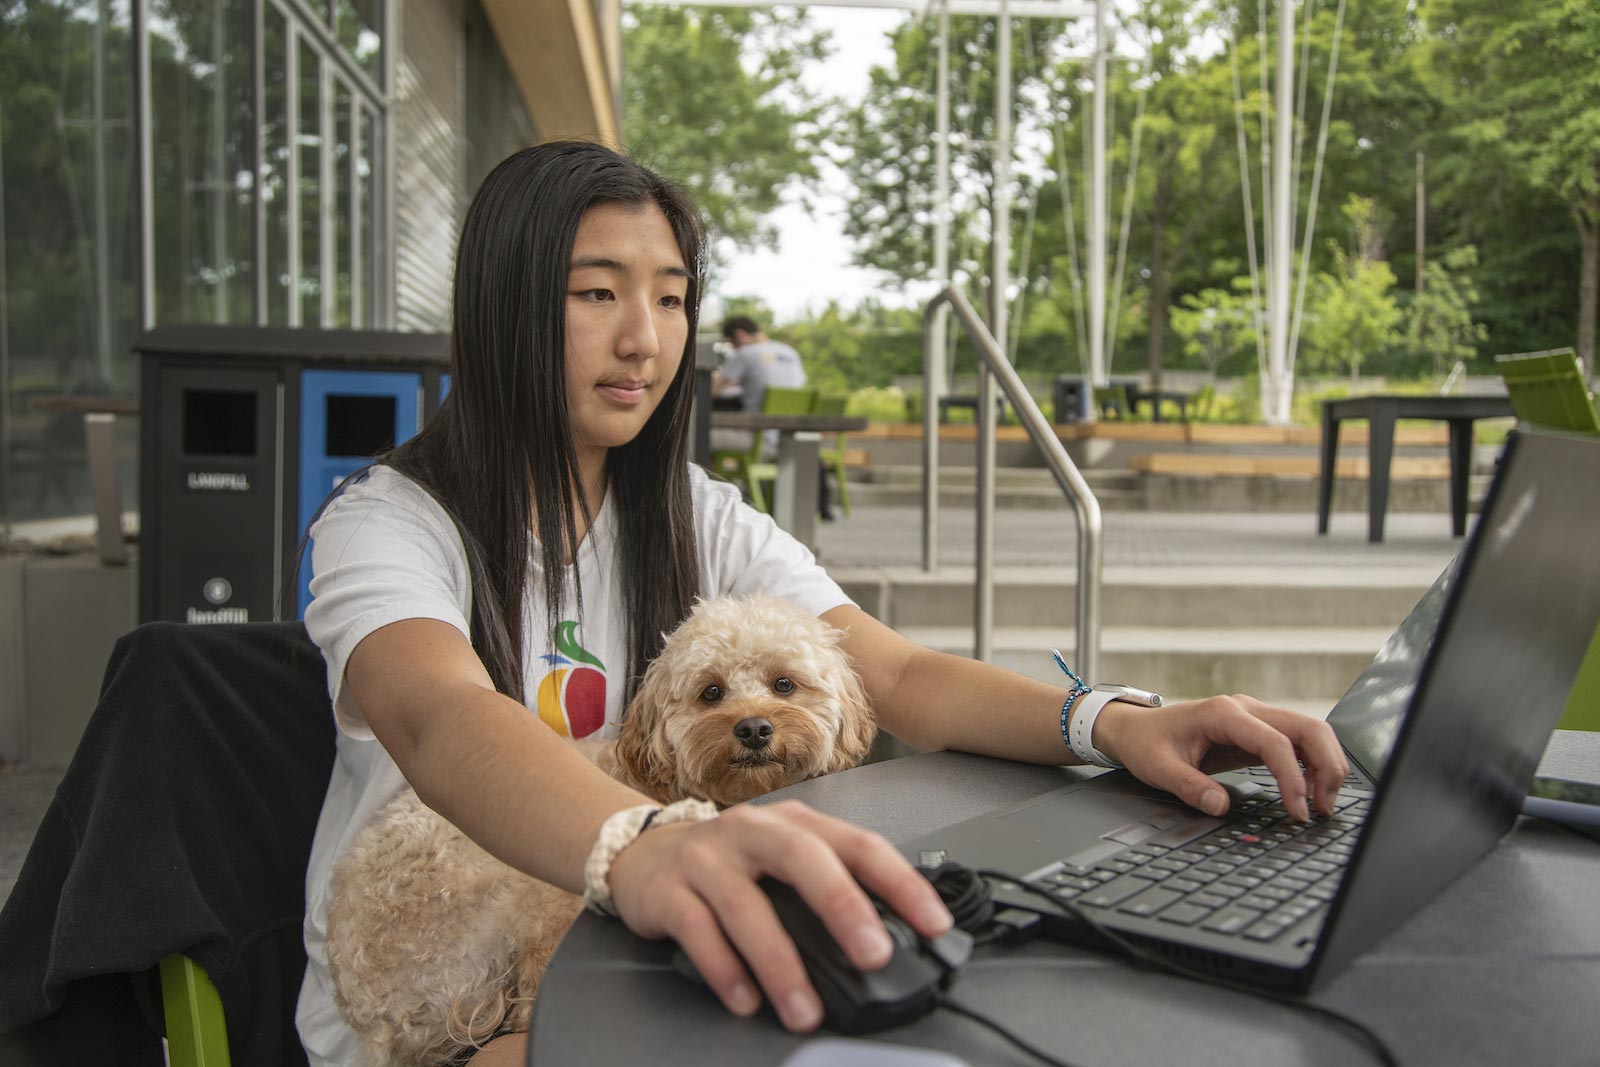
point(833, 458)
point(746, 465)
point(177, 842)
point(1547, 389)
point(1112, 400)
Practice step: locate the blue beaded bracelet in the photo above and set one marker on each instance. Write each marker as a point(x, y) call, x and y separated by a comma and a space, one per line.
point(1079, 688)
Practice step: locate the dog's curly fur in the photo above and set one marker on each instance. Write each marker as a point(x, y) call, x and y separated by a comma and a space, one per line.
point(435, 945)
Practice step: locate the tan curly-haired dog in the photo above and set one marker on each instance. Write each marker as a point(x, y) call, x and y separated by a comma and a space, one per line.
point(435, 946)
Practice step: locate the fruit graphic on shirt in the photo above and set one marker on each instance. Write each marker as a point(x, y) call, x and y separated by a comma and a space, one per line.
point(571, 699)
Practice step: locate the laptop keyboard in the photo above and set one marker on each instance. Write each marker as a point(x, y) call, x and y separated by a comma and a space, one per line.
point(1256, 876)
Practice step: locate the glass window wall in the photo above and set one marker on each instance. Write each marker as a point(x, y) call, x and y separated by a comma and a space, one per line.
point(263, 149)
point(68, 243)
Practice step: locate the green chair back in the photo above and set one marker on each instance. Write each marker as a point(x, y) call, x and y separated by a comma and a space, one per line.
point(1547, 389)
point(745, 465)
point(1583, 705)
point(197, 1035)
point(833, 458)
point(786, 400)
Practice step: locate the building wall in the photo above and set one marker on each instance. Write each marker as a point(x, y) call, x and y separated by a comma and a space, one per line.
point(428, 101)
point(457, 114)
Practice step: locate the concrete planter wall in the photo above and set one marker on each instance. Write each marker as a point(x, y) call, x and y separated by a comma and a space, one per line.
point(59, 618)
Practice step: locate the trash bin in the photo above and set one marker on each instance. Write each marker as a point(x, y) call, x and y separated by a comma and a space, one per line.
point(346, 417)
point(1068, 398)
point(243, 432)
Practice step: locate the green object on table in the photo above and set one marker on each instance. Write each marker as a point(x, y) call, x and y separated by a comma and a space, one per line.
point(197, 1035)
point(745, 465)
point(1547, 389)
point(1583, 705)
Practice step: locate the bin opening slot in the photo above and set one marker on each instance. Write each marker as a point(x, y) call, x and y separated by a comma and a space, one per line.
point(219, 422)
point(359, 425)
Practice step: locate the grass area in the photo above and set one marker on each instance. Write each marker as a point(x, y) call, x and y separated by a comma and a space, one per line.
point(1241, 406)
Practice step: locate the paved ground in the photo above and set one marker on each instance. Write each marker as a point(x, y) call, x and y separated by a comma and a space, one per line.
point(892, 536)
point(1248, 545)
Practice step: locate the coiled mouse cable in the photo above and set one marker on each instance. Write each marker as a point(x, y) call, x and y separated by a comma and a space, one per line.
point(967, 896)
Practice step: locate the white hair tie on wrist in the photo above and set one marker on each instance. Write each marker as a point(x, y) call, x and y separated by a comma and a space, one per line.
point(619, 831)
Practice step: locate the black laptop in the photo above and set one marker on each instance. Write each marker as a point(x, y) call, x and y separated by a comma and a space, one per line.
point(1443, 732)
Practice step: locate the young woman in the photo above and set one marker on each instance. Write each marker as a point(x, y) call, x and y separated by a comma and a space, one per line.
point(502, 579)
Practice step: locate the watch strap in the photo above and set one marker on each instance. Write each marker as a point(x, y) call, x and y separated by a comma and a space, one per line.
point(1081, 731)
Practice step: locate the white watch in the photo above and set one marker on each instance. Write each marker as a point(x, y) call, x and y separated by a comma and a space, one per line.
point(1081, 733)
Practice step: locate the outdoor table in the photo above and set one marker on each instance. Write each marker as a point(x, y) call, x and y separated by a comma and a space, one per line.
point(794, 503)
point(1138, 395)
point(1500, 967)
point(1457, 412)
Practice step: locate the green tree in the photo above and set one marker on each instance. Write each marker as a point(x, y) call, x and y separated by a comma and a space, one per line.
point(713, 98)
point(1352, 314)
point(1440, 320)
point(1520, 89)
point(1215, 325)
point(886, 149)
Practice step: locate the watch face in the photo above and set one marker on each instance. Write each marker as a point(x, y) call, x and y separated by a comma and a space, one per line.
point(1132, 694)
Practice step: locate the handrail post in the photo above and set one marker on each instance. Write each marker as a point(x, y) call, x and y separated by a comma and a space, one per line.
point(1086, 509)
point(983, 541)
point(932, 356)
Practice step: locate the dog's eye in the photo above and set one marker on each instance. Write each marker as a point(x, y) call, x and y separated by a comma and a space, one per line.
point(782, 686)
point(711, 694)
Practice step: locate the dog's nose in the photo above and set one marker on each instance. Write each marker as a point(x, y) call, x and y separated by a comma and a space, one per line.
point(753, 733)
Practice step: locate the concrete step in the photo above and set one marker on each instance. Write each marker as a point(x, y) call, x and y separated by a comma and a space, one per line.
point(1005, 477)
point(1202, 597)
point(1302, 666)
point(1165, 492)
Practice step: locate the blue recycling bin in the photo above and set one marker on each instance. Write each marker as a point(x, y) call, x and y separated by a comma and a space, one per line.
point(346, 416)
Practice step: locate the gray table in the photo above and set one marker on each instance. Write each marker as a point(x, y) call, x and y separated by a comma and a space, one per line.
point(1502, 968)
point(1457, 412)
point(794, 497)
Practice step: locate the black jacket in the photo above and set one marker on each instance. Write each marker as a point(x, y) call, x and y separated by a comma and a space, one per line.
point(183, 824)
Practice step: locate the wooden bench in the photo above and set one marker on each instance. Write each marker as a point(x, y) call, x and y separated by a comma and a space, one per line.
point(1194, 465)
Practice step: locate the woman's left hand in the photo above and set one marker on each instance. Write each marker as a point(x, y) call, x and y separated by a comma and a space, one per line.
point(1176, 746)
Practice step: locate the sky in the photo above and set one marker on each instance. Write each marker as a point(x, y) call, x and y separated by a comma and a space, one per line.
point(811, 264)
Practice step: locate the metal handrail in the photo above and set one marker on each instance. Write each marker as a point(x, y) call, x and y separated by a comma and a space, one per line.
point(1085, 507)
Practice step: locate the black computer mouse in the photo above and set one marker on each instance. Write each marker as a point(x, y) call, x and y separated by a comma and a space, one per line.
point(856, 1001)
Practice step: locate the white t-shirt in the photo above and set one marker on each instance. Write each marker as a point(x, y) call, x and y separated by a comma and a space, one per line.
point(385, 551)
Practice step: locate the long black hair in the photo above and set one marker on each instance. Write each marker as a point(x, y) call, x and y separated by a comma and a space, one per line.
point(500, 452)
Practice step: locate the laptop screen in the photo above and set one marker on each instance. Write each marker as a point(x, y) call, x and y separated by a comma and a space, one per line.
point(1368, 717)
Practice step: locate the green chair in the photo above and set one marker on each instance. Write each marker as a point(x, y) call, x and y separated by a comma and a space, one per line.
point(745, 465)
point(197, 1034)
point(1547, 389)
point(833, 458)
point(1112, 400)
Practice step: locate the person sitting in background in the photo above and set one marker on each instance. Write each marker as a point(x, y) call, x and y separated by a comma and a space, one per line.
point(757, 362)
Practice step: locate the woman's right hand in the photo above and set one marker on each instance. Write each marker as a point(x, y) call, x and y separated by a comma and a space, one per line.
point(696, 883)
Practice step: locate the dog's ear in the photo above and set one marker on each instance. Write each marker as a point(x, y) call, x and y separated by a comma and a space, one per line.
point(641, 750)
point(859, 726)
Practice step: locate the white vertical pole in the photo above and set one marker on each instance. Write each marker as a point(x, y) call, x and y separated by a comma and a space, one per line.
point(999, 282)
point(1275, 407)
point(941, 196)
point(1097, 206)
